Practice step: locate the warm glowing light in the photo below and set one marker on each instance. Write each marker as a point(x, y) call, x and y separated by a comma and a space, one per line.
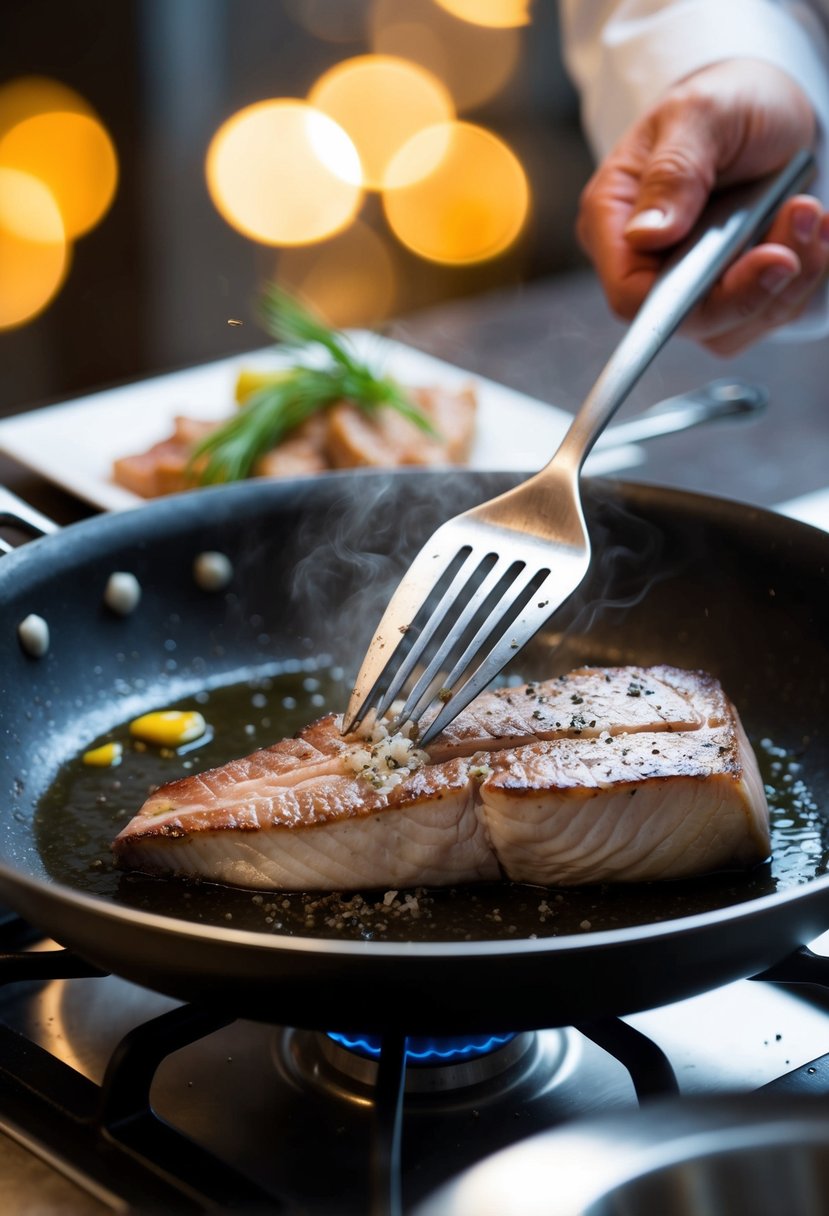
point(474, 62)
point(284, 173)
point(33, 250)
point(495, 14)
point(350, 279)
point(30, 95)
point(381, 101)
point(74, 158)
point(471, 208)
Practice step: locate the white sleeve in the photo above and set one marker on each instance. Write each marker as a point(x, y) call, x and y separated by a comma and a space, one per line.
point(623, 54)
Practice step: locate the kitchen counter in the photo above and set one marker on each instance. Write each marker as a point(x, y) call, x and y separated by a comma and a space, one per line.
point(550, 338)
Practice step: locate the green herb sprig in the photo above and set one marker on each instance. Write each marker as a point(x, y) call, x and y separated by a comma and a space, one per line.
point(269, 413)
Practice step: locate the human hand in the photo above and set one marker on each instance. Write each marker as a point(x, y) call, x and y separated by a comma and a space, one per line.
point(731, 122)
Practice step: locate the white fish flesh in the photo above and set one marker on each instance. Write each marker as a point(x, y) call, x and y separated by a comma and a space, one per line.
point(620, 774)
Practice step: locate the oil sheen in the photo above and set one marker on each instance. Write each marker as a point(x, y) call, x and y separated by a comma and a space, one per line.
point(86, 807)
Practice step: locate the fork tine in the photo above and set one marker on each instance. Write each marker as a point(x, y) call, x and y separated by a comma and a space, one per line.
point(496, 623)
point(472, 563)
point(546, 600)
point(458, 623)
point(428, 568)
point(419, 697)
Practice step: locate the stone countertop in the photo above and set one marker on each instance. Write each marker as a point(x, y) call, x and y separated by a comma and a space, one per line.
point(550, 339)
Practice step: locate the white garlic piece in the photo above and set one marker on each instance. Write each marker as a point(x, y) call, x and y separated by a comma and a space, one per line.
point(34, 635)
point(212, 570)
point(122, 592)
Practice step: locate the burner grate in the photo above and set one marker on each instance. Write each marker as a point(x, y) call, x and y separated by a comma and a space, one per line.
point(108, 1138)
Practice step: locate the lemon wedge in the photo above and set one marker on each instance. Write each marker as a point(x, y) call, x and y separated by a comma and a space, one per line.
point(168, 727)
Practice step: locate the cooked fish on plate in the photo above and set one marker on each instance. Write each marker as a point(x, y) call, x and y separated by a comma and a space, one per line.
point(342, 436)
point(330, 409)
point(618, 774)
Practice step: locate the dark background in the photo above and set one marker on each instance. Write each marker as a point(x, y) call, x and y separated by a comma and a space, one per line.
point(153, 285)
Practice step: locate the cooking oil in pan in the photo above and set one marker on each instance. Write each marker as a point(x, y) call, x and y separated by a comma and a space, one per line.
point(87, 806)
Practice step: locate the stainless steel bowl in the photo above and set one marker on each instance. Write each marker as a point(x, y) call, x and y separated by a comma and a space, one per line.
point(756, 1153)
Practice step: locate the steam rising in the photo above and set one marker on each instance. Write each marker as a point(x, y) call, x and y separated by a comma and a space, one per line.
point(352, 560)
point(365, 544)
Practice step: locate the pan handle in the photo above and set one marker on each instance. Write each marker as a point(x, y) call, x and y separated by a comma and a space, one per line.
point(801, 967)
point(16, 513)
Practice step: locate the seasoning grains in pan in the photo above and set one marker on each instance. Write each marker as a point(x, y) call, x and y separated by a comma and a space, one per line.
point(86, 807)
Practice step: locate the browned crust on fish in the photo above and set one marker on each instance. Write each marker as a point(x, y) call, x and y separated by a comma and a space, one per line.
point(662, 701)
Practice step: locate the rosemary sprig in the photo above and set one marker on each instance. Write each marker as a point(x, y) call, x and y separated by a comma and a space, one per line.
point(230, 452)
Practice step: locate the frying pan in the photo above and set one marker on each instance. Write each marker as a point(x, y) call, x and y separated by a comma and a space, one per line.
point(677, 578)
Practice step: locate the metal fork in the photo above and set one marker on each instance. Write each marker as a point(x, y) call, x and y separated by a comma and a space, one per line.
point(488, 579)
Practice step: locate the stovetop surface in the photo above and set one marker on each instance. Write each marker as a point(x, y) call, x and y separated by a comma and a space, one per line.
point(262, 1098)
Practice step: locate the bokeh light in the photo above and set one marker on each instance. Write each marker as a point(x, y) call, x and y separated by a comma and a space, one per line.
point(27, 96)
point(471, 208)
point(473, 61)
point(73, 156)
point(381, 101)
point(496, 14)
point(350, 280)
point(284, 173)
point(34, 254)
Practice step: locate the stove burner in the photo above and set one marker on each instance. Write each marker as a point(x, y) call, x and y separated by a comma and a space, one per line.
point(470, 1069)
point(428, 1052)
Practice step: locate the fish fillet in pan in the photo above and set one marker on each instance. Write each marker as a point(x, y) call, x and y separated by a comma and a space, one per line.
point(619, 774)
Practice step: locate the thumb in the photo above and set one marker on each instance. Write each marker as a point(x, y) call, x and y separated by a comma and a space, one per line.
point(676, 180)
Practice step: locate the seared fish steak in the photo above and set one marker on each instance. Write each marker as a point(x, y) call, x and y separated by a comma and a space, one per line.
point(620, 774)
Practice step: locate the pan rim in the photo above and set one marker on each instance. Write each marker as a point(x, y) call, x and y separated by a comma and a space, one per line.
point(568, 943)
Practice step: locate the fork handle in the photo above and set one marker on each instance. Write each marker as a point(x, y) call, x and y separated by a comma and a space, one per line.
point(729, 223)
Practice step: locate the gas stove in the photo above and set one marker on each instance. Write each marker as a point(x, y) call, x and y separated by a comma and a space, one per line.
point(115, 1098)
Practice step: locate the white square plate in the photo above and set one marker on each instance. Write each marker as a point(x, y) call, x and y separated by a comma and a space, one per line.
point(74, 444)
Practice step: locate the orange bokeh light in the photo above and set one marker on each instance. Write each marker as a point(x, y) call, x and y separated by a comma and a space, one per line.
point(471, 208)
point(350, 279)
point(381, 101)
point(473, 61)
point(30, 95)
point(34, 254)
point(283, 173)
point(73, 156)
point(495, 14)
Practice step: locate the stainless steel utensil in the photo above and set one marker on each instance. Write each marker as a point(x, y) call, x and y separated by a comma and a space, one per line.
point(717, 400)
point(488, 579)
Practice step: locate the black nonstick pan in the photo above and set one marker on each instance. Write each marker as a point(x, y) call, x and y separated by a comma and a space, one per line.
point(677, 578)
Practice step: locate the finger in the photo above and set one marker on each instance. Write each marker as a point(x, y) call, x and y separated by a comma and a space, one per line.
point(784, 305)
point(626, 274)
point(783, 309)
point(744, 292)
point(770, 284)
point(737, 340)
point(676, 179)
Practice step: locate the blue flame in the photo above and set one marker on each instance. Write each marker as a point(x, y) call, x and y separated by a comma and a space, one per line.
point(426, 1050)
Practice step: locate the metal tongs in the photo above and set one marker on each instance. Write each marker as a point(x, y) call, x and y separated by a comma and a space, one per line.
point(488, 579)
